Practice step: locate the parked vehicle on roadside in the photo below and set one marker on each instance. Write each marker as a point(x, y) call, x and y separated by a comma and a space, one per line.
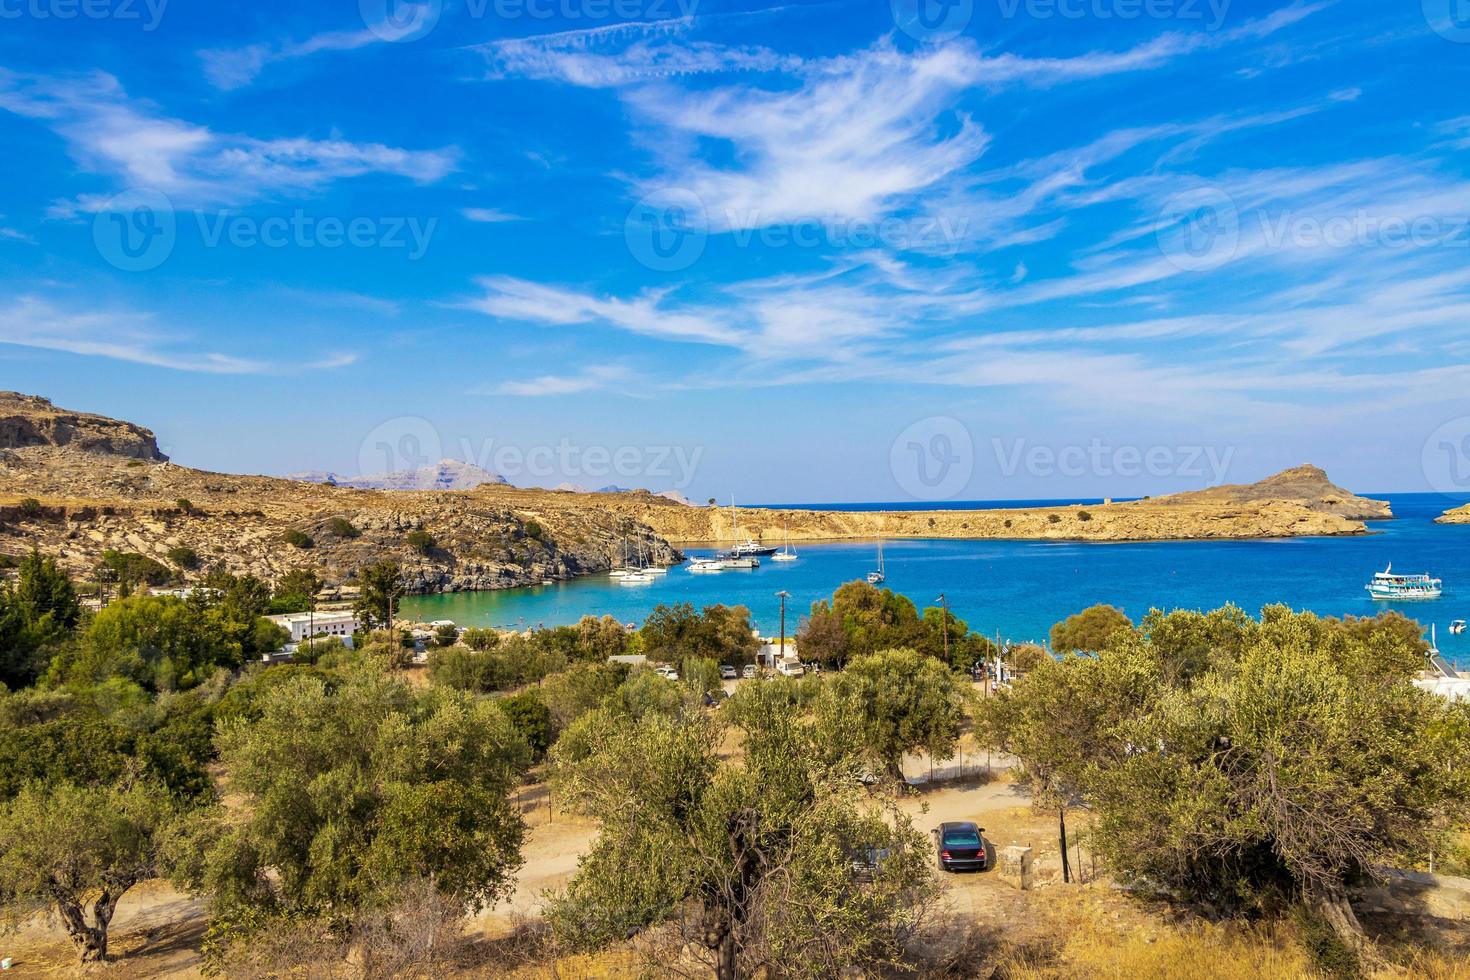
point(727, 672)
point(789, 668)
point(667, 673)
point(750, 671)
point(960, 846)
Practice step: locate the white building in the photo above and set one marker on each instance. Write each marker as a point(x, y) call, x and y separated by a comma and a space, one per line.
point(304, 625)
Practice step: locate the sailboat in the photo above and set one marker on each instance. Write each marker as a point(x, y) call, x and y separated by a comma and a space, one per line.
point(876, 576)
point(624, 571)
point(741, 556)
point(785, 554)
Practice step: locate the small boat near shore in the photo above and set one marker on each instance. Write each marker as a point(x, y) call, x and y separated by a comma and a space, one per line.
point(704, 566)
point(1458, 626)
point(1387, 585)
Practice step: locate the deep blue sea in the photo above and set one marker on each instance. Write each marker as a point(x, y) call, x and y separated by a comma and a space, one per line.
point(1017, 589)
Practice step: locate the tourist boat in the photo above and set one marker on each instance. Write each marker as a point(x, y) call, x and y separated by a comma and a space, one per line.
point(639, 577)
point(1387, 585)
point(706, 565)
point(750, 548)
point(1458, 626)
point(786, 553)
point(876, 576)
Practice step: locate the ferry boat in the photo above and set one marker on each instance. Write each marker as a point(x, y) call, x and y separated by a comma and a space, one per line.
point(1387, 585)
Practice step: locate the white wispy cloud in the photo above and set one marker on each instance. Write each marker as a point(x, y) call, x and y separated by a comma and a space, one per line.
point(489, 216)
point(232, 68)
point(599, 377)
point(134, 337)
point(647, 314)
point(132, 141)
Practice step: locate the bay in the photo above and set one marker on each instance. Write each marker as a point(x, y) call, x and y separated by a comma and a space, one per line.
point(1018, 589)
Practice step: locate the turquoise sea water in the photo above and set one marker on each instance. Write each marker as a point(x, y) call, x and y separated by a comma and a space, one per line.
point(1017, 589)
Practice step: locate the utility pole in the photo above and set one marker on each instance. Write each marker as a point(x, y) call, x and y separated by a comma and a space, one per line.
point(783, 595)
point(944, 623)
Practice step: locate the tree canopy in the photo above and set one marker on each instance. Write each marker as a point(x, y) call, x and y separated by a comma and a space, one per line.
point(1246, 761)
point(1088, 630)
point(355, 788)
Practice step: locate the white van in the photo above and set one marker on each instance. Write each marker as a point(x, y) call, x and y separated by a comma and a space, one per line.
point(789, 668)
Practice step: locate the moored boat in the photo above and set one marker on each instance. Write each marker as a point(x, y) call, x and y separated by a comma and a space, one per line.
point(878, 575)
point(1387, 585)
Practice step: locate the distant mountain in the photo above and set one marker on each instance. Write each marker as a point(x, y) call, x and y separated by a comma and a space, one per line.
point(676, 497)
point(447, 474)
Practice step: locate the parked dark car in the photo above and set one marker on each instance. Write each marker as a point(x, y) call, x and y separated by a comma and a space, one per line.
point(960, 846)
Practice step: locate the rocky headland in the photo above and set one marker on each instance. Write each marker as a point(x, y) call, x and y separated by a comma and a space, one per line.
point(1455, 515)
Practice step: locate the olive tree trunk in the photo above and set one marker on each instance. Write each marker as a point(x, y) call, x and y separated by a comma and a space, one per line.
point(90, 938)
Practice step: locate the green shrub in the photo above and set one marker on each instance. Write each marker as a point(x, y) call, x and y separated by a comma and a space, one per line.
point(30, 507)
point(421, 541)
point(341, 527)
point(298, 539)
point(185, 504)
point(184, 557)
point(1083, 515)
point(1053, 519)
point(533, 530)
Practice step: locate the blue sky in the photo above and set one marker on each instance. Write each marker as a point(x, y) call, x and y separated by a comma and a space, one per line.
point(795, 252)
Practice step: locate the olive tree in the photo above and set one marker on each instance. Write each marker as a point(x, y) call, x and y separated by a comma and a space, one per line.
point(78, 849)
point(1247, 762)
point(754, 863)
point(351, 790)
point(895, 702)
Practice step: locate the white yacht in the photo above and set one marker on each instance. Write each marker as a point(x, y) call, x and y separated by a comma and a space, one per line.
point(705, 565)
point(877, 576)
point(786, 553)
point(1387, 585)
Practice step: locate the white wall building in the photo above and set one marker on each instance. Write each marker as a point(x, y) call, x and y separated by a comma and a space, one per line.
point(304, 625)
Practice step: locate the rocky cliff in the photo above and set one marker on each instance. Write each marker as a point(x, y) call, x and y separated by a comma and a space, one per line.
point(27, 421)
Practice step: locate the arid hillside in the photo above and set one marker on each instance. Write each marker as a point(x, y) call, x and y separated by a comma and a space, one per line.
point(74, 485)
